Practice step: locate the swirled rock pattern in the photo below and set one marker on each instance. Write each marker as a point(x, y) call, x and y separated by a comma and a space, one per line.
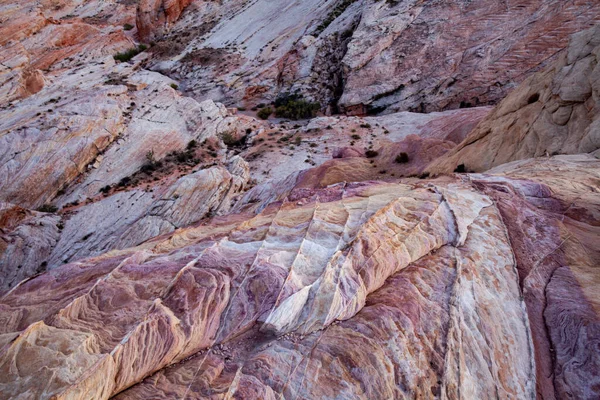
point(155, 244)
point(371, 290)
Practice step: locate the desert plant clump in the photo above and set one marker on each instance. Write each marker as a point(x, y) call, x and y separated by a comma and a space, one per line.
point(105, 189)
point(174, 86)
point(355, 137)
point(128, 27)
point(192, 145)
point(230, 139)
point(402, 158)
point(460, 169)
point(264, 113)
point(47, 208)
point(293, 106)
point(129, 54)
point(371, 153)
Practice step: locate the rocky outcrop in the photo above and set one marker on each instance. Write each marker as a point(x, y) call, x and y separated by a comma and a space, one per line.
point(131, 217)
point(441, 55)
point(26, 241)
point(555, 111)
point(369, 280)
point(181, 249)
point(155, 16)
point(370, 56)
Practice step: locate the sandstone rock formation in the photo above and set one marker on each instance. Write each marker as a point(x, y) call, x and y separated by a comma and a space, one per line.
point(155, 244)
point(154, 16)
point(556, 111)
point(267, 301)
point(369, 55)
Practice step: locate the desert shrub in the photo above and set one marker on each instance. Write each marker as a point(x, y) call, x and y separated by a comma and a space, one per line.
point(229, 139)
point(371, 153)
point(174, 86)
point(264, 113)
point(292, 106)
point(128, 27)
point(355, 137)
point(129, 54)
point(192, 145)
point(402, 158)
point(460, 169)
point(48, 208)
point(125, 181)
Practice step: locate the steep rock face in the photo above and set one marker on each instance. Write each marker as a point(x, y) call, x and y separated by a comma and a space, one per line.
point(26, 241)
point(40, 38)
point(437, 55)
point(369, 55)
point(154, 16)
point(373, 290)
point(553, 112)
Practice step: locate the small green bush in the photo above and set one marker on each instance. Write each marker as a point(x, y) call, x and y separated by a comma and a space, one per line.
point(264, 113)
point(129, 54)
point(371, 153)
point(174, 86)
point(292, 106)
point(128, 27)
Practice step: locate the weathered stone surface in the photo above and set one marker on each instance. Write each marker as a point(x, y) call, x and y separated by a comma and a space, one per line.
point(155, 16)
point(344, 271)
point(423, 280)
point(369, 55)
point(555, 111)
point(26, 241)
point(131, 217)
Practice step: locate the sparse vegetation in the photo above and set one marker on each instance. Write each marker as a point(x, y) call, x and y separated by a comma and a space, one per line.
point(336, 12)
point(402, 158)
point(230, 139)
point(264, 113)
point(128, 27)
point(192, 145)
point(129, 54)
point(105, 189)
point(371, 153)
point(174, 86)
point(292, 106)
point(460, 169)
point(48, 208)
point(355, 137)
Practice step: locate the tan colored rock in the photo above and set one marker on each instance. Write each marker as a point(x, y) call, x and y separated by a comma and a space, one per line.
point(431, 270)
point(155, 16)
point(553, 112)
